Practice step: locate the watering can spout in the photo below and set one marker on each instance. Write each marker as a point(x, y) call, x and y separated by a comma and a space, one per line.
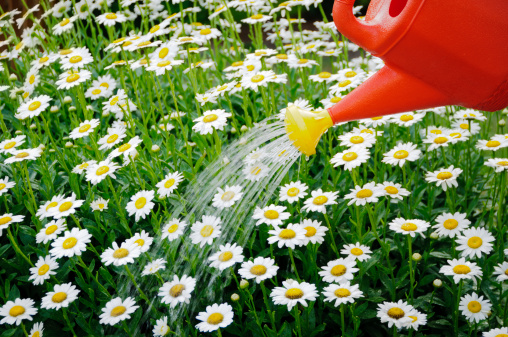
point(389, 91)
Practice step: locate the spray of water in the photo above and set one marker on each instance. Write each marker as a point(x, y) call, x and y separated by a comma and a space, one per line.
point(237, 225)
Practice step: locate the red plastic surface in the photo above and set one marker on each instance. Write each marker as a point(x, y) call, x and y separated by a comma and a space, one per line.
point(452, 52)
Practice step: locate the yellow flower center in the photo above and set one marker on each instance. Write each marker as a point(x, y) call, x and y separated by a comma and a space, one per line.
point(31, 79)
point(255, 171)
point(356, 251)
point(409, 227)
point(226, 256)
point(281, 56)
point(43, 59)
point(293, 192)
point(120, 253)
point(335, 99)
point(474, 242)
point(140, 242)
point(356, 139)
point(440, 140)
point(493, 143)
point(172, 228)
point(72, 78)
point(176, 290)
point(257, 16)
point(5, 220)
point(163, 63)
point(206, 231)
point(258, 270)
point(302, 61)
point(436, 132)
point(502, 163)
point(16, 311)
point(396, 313)
point(237, 64)
point(9, 145)
point(406, 118)
point(54, 203)
point(22, 155)
point(450, 224)
point(19, 45)
point(59, 297)
point(228, 196)
point(140, 203)
point(444, 175)
point(105, 85)
point(210, 118)
point(154, 29)
point(365, 193)
point(69, 243)
point(205, 31)
point(294, 293)
point(257, 78)
point(65, 206)
point(250, 67)
point(324, 74)
point(101, 170)
point(43, 269)
point(391, 190)
point(474, 306)
point(51, 229)
point(287, 234)
point(338, 270)
point(349, 156)
point(322, 199)
point(461, 269)
point(169, 183)
point(501, 335)
point(342, 292)
point(464, 126)
point(85, 127)
point(75, 59)
point(456, 135)
point(117, 311)
point(124, 147)
point(350, 74)
point(111, 16)
point(112, 138)
point(401, 154)
point(271, 214)
point(34, 106)
point(215, 318)
point(2, 186)
point(311, 231)
point(345, 83)
point(64, 22)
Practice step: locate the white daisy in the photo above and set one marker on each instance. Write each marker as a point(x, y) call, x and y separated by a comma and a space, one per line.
point(110, 19)
point(72, 78)
point(204, 231)
point(438, 140)
point(451, 225)
point(117, 310)
point(65, 207)
point(153, 267)
point(319, 200)
point(395, 313)
point(262, 268)
point(100, 204)
point(361, 195)
point(21, 155)
point(71, 243)
point(445, 177)
point(37, 330)
point(177, 291)
point(5, 185)
point(100, 171)
point(407, 118)
point(474, 307)
point(14, 312)
point(126, 149)
point(84, 129)
point(173, 229)
point(315, 232)
point(7, 219)
point(292, 292)
point(113, 137)
point(342, 293)
point(142, 239)
point(227, 256)
point(401, 153)
point(475, 242)
point(141, 204)
point(501, 270)
point(498, 164)
point(492, 144)
point(351, 158)
point(499, 332)
point(339, 270)
point(33, 107)
point(461, 269)
point(225, 198)
point(161, 327)
point(121, 255)
point(61, 296)
point(83, 166)
point(293, 235)
point(211, 119)
point(255, 172)
point(393, 190)
point(50, 231)
point(418, 319)
point(169, 184)
point(214, 317)
point(43, 269)
point(9, 145)
point(356, 251)
point(409, 227)
point(77, 59)
point(352, 139)
point(293, 191)
point(271, 215)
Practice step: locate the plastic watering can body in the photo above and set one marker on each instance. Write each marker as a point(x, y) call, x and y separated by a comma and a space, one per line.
point(436, 53)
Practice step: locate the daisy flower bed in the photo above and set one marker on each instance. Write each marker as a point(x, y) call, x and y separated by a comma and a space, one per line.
point(122, 123)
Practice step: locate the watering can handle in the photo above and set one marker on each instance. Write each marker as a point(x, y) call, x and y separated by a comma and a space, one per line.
point(368, 36)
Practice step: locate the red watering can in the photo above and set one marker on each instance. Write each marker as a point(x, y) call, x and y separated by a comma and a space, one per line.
point(436, 52)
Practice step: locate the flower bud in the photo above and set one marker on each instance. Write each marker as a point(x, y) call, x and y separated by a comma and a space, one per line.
point(69, 145)
point(72, 108)
point(244, 284)
point(233, 130)
point(192, 144)
point(416, 257)
point(235, 297)
point(51, 150)
point(244, 128)
point(434, 236)
point(89, 107)
point(67, 100)
point(33, 126)
point(437, 283)
point(155, 148)
point(42, 147)
point(18, 132)
point(502, 122)
point(13, 77)
point(105, 113)
point(54, 109)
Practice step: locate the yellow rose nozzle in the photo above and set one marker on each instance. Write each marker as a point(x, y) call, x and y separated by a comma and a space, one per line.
point(304, 128)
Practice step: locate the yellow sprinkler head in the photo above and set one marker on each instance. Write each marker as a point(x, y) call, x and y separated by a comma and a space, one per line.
point(304, 128)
